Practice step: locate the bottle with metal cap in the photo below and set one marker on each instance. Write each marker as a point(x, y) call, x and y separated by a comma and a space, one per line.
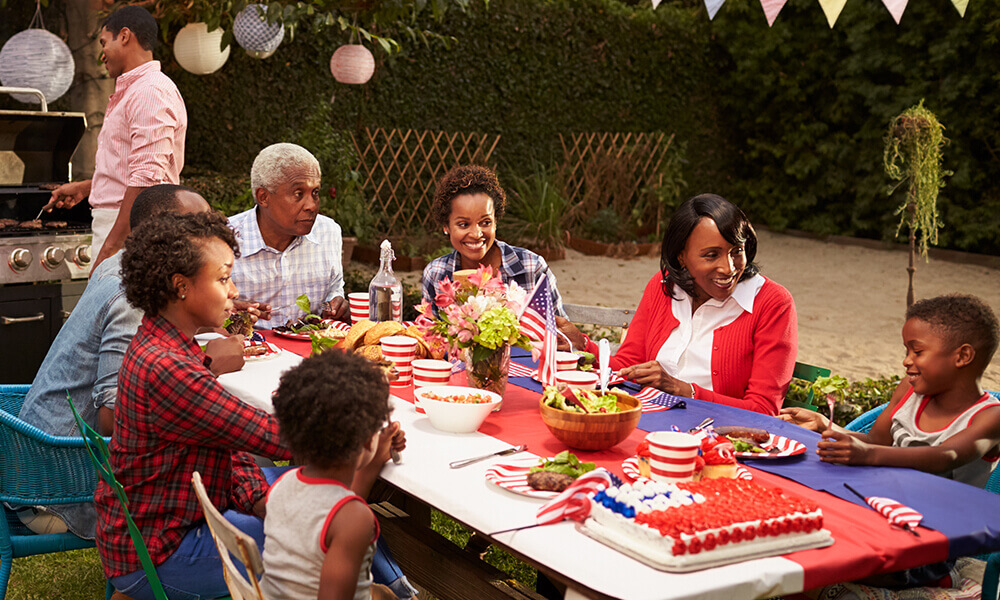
point(385, 293)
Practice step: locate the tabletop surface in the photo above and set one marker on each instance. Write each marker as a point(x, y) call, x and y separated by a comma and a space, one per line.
point(864, 543)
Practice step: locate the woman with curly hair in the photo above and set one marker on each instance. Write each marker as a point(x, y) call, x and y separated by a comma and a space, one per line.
point(467, 204)
point(709, 326)
point(173, 417)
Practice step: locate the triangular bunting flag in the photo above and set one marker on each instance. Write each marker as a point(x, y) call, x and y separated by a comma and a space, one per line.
point(771, 9)
point(896, 8)
point(960, 6)
point(832, 9)
point(656, 3)
point(713, 7)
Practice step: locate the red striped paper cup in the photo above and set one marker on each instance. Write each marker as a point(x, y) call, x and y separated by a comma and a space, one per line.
point(400, 350)
point(428, 372)
point(672, 455)
point(581, 380)
point(567, 361)
point(359, 306)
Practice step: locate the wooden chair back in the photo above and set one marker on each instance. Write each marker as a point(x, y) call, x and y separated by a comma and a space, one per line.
point(231, 542)
point(601, 315)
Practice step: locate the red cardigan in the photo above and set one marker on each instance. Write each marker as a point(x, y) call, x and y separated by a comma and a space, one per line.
point(753, 357)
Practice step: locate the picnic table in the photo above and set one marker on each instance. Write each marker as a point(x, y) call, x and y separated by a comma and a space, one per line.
point(960, 520)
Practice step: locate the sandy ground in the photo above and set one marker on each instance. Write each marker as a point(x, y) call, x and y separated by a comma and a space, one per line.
point(850, 300)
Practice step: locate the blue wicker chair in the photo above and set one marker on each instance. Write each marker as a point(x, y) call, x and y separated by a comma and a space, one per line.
point(863, 423)
point(37, 469)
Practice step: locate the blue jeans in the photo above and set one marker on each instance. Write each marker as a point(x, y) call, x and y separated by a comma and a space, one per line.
point(194, 570)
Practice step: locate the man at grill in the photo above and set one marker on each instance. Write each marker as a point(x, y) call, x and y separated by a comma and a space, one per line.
point(286, 247)
point(142, 139)
point(86, 356)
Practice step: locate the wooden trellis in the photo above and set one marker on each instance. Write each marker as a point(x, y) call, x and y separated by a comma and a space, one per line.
point(400, 168)
point(608, 169)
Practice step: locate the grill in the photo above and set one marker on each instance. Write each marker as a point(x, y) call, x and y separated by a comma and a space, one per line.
point(38, 266)
point(35, 152)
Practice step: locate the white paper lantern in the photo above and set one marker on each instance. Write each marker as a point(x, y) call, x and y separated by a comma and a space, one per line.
point(254, 34)
point(197, 49)
point(352, 63)
point(37, 58)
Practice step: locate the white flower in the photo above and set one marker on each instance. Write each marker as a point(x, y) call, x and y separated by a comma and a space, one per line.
point(516, 296)
point(479, 304)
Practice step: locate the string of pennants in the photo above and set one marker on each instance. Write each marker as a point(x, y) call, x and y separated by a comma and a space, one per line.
point(831, 8)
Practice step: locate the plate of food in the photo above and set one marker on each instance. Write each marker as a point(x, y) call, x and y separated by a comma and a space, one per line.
point(255, 351)
point(300, 329)
point(541, 478)
point(754, 443)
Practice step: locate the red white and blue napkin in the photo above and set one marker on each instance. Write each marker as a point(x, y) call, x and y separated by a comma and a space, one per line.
point(897, 513)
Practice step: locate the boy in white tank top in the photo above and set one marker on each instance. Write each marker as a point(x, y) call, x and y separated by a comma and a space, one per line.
point(320, 532)
point(939, 420)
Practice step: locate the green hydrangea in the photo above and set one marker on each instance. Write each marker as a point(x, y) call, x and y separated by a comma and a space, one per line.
point(497, 326)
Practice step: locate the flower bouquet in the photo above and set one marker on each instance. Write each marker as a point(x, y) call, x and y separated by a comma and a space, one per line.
point(477, 320)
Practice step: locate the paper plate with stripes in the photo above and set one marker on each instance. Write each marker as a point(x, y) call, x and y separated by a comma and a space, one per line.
point(513, 476)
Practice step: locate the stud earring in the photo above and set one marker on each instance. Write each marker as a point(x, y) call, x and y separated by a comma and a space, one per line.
point(183, 296)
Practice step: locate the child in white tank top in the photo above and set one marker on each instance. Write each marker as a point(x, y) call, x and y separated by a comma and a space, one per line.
point(939, 420)
point(320, 532)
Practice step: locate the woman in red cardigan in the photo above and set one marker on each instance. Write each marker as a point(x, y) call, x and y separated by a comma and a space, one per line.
point(709, 326)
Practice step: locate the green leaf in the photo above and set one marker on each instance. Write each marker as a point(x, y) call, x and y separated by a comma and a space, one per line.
point(303, 303)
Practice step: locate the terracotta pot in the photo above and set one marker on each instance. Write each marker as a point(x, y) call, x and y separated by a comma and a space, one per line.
point(617, 250)
point(348, 250)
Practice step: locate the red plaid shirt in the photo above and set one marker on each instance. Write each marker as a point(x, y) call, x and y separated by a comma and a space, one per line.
point(172, 418)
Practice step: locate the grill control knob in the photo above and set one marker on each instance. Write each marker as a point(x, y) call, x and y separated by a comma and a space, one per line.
point(20, 259)
point(81, 255)
point(53, 256)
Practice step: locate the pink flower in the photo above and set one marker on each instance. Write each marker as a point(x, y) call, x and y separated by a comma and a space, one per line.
point(442, 300)
point(447, 286)
point(464, 336)
point(536, 351)
point(482, 276)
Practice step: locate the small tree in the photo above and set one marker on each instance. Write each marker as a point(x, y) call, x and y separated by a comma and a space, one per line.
point(913, 146)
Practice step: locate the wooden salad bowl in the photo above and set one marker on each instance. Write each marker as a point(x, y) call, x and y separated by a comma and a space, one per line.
point(593, 431)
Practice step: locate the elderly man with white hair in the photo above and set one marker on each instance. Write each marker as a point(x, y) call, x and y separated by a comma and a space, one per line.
point(286, 247)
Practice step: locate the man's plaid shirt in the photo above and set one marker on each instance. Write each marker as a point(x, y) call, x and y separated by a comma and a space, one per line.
point(516, 264)
point(172, 418)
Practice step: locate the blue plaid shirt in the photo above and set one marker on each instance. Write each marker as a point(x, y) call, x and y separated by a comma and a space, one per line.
point(310, 265)
point(517, 264)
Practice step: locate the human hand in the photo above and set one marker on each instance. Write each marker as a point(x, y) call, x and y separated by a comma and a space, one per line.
point(569, 330)
point(256, 310)
point(652, 374)
point(338, 309)
point(226, 353)
point(810, 419)
point(69, 194)
point(842, 448)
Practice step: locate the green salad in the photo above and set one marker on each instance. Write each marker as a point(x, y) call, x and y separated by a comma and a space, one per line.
point(564, 462)
point(594, 402)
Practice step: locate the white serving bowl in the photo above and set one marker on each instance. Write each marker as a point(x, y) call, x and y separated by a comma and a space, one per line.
point(453, 417)
point(581, 380)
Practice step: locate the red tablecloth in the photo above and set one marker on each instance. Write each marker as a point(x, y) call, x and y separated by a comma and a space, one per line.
point(864, 544)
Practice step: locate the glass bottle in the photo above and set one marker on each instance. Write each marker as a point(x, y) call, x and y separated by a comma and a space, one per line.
point(385, 293)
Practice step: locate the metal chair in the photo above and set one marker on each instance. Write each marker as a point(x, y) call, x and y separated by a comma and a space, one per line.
point(37, 469)
point(231, 542)
point(100, 457)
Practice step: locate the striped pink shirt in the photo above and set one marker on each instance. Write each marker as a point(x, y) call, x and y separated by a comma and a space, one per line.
point(142, 139)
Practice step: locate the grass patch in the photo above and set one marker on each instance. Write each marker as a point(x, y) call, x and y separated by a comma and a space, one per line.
point(73, 575)
point(457, 533)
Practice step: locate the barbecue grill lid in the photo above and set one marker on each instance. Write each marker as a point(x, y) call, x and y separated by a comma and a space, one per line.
point(36, 147)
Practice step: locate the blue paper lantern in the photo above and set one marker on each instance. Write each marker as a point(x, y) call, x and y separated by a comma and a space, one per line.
point(254, 34)
point(37, 58)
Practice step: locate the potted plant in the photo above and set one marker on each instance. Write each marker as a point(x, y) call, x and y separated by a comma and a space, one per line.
point(912, 156)
point(535, 210)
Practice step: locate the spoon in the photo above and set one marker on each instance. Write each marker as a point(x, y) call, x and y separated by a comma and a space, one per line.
point(603, 356)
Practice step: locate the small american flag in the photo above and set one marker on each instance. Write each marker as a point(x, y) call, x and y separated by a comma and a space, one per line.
point(574, 501)
point(898, 514)
point(538, 322)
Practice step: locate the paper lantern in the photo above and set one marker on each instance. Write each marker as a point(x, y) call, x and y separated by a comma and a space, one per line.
point(352, 63)
point(254, 34)
point(37, 58)
point(197, 49)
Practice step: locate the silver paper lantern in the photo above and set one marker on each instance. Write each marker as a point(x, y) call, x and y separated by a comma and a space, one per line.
point(37, 58)
point(254, 34)
point(197, 49)
point(352, 63)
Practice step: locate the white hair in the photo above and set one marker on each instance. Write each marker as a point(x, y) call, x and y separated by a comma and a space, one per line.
point(271, 164)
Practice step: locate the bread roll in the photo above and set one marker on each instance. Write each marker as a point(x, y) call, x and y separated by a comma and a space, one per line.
point(381, 330)
point(372, 353)
point(356, 335)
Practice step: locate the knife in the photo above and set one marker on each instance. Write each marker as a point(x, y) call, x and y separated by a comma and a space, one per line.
point(603, 355)
point(458, 464)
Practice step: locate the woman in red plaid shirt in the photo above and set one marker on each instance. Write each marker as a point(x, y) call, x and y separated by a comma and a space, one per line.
point(173, 417)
